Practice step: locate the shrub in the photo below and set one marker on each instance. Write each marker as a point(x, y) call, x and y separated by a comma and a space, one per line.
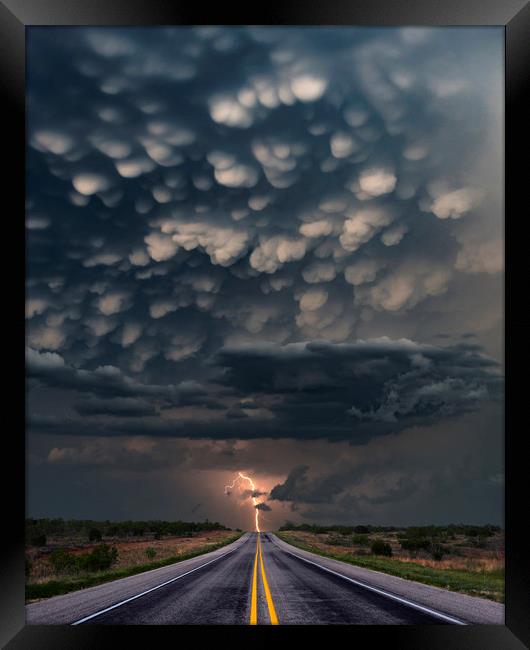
point(362, 540)
point(94, 535)
point(38, 540)
point(381, 548)
point(28, 567)
point(339, 540)
point(415, 544)
point(361, 530)
point(437, 551)
point(150, 552)
point(102, 557)
point(63, 562)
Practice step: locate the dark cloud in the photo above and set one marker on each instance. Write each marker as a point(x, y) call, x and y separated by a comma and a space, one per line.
point(289, 489)
point(319, 389)
point(245, 494)
point(118, 406)
point(366, 387)
point(262, 506)
point(404, 488)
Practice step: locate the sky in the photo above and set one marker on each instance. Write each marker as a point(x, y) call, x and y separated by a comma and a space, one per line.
point(270, 250)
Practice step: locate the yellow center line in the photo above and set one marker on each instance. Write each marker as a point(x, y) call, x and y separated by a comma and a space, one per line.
point(254, 600)
point(270, 603)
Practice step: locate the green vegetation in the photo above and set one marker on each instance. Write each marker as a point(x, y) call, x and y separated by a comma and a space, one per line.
point(38, 530)
point(73, 583)
point(94, 535)
point(437, 551)
point(414, 545)
point(485, 583)
point(412, 532)
point(150, 553)
point(102, 557)
point(381, 548)
point(340, 530)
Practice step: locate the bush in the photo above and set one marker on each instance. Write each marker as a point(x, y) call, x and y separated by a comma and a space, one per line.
point(415, 544)
point(361, 530)
point(339, 540)
point(362, 540)
point(38, 540)
point(437, 552)
point(150, 552)
point(102, 557)
point(381, 548)
point(63, 562)
point(28, 567)
point(94, 535)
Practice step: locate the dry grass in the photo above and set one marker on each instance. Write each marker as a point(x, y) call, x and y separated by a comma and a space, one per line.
point(458, 555)
point(475, 565)
point(131, 553)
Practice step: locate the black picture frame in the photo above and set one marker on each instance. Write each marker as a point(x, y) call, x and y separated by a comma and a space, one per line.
point(514, 15)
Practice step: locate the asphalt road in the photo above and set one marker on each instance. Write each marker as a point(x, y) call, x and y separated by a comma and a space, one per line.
point(260, 580)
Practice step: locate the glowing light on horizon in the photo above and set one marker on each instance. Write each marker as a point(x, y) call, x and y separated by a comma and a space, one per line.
point(239, 477)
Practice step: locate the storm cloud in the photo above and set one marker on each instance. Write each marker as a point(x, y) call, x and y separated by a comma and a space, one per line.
point(254, 233)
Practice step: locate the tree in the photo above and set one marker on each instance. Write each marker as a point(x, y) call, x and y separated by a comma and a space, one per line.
point(361, 530)
point(94, 535)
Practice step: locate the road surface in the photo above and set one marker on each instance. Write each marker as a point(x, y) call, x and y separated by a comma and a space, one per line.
point(261, 580)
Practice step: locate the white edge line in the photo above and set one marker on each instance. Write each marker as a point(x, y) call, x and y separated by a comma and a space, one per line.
point(128, 600)
point(410, 603)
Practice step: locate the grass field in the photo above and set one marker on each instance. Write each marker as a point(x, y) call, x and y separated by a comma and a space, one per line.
point(476, 572)
point(134, 556)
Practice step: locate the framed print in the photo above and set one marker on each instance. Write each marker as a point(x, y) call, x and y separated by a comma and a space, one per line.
point(273, 333)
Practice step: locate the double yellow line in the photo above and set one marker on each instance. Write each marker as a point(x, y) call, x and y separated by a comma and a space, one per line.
point(254, 598)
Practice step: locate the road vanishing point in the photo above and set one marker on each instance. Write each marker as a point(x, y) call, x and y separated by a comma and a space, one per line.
point(261, 580)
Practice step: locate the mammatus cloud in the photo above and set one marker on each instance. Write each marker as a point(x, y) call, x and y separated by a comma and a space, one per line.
point(320, 165)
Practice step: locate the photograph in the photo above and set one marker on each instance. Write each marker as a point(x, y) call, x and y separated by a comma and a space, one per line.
point(264, 344)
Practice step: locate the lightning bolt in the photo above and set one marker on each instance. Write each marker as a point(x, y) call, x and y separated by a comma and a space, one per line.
point(238, 478)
